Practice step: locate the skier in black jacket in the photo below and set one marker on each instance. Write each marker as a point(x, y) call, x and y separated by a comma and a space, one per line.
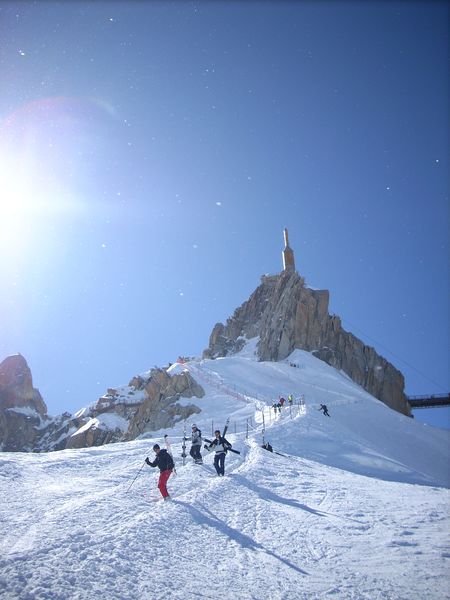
point(165, 463)
point(324, 409)
point(221, 446)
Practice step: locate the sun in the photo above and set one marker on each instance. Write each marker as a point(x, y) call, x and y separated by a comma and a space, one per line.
point(46, 171)
point(34, 206)
point(18, 200)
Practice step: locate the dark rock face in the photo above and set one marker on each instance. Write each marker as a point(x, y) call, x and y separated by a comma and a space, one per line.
point(160, 409)
point(286, 315)
point(156, 408)
point(148, 403)
point(22, 409)
point(246, 322)
point(16, 386)
point(57, 432)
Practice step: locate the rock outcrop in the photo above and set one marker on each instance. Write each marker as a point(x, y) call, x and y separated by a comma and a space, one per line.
point(148, 403)
point(286, 314)
point(23, 412)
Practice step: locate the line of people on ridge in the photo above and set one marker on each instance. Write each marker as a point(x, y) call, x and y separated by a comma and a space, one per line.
point(164, 461)
point(277, 406)
point(281, 402)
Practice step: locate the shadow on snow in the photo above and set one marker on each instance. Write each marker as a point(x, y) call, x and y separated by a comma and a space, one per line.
point(206, 517)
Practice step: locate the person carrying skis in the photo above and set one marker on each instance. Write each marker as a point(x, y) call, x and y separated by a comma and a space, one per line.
point(221, 446)
point(196, 440)
point(165, 463)
point(323, 407)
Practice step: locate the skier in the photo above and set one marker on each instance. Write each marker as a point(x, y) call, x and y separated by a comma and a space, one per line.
point(281, 401)
point(323, 407)
point(267, 446)
point(290, 399)
point(196, 440)
point(221, 445)
point(165, 463)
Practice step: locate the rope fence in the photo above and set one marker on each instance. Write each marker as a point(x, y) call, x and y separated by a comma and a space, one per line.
point(266, 412)
point(265, 418)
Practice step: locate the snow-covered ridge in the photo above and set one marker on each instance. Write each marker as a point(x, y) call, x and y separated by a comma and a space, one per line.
point(106, 421)
point(362, 436)
point(24, 410)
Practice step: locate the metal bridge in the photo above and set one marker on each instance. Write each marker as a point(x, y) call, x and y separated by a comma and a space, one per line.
point(429, 401)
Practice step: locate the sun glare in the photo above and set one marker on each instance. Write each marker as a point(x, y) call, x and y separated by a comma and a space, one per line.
point(19, 201)
point(30, 205)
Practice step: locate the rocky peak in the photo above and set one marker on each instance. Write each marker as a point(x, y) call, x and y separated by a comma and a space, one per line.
point(22, 409)
point(16, 386)
point(245, 322)
point(286, 315)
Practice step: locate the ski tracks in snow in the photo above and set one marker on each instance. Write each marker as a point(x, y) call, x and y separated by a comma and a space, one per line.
point(318, 531)
point(274, 527)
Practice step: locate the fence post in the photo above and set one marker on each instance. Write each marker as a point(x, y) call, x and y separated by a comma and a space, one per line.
point(264, 427)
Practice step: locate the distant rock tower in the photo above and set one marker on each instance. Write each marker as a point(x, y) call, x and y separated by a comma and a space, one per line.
point(288, 254)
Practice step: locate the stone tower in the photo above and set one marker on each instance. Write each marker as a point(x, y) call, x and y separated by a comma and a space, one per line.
point(288, 254)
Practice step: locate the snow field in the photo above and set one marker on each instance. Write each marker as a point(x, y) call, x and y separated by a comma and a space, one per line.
point(284, 528)
point(310, 525)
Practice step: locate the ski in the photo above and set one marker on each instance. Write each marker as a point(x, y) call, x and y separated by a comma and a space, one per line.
point(183, 454)
point(230, 449)
point(169, 450)
point(225, 429)
point(279, 454)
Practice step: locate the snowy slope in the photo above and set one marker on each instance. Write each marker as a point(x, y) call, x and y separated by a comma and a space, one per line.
point(363, 436)
point(308, 525)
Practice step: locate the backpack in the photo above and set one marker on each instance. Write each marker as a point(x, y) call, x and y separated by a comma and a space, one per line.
point(170, 463)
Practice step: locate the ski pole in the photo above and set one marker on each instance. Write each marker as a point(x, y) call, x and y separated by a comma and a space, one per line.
point(137, 475)
point(264, 426)
point(169, 450)
point(183, 445)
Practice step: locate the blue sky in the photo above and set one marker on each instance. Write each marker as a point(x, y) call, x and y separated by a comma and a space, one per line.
point(152, 154)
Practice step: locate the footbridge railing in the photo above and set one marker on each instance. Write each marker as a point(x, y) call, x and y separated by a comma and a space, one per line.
point(430, 401)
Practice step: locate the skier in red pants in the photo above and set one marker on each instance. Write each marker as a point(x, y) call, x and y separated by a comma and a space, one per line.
point(164, 462)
